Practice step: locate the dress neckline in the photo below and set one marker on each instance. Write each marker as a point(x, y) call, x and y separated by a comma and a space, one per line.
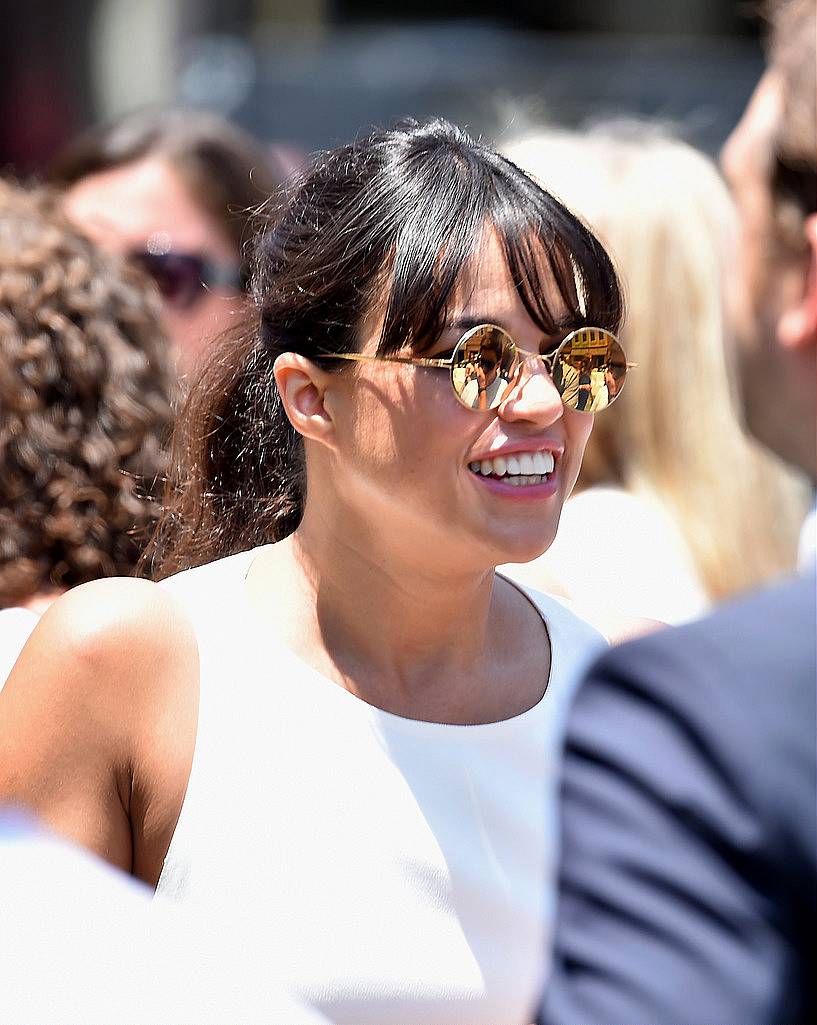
point(404, 723)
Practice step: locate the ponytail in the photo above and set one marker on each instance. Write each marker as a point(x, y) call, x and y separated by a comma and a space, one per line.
point(237, 470)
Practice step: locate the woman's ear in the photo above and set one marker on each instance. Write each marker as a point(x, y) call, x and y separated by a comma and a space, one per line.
point(302, 387)
point(797, 328)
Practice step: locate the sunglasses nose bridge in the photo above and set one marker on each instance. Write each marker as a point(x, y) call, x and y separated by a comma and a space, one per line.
point(532, 382)
point(529, 364)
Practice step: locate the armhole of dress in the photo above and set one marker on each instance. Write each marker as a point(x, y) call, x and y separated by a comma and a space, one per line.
point(174, 877)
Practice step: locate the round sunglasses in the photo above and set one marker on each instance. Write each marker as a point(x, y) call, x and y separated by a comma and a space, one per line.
point(183, 278)
point(588, 367)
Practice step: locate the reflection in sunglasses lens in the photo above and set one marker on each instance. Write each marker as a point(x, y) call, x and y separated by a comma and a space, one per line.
point(588, 369)
point(483, 366)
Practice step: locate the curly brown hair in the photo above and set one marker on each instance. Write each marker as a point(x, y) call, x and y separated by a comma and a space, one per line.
point(86, 385)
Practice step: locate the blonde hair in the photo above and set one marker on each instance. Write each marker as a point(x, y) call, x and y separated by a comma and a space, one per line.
point(663, 212)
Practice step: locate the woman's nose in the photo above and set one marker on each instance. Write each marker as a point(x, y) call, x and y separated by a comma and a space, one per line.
point(533, 395)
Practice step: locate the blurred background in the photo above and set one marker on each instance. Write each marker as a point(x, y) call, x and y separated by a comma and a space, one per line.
point(305, 74)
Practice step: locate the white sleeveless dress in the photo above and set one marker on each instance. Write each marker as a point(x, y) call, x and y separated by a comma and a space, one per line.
point(384, 870)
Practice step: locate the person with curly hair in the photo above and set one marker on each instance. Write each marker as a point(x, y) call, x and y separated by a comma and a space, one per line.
point(86, 384)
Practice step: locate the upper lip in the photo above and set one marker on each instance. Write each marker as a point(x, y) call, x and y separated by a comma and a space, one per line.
point(526, 445)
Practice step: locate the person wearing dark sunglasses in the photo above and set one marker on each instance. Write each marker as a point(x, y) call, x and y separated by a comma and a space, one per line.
point(334, 722)
point(173, 190)
point(184, 279)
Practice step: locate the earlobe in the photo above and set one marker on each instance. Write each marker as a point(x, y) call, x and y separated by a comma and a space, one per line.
point(302, 386)
point(797, 328)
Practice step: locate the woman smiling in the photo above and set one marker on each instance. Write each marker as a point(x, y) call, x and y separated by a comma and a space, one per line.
point(333, 721)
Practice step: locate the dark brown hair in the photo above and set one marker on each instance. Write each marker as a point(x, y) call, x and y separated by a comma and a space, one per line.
point(390, 219)
point(85, 403)
point(225, 170)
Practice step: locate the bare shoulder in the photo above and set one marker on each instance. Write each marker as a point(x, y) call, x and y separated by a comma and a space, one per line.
point(110, 643)
point(96, 618)
point(98, 718)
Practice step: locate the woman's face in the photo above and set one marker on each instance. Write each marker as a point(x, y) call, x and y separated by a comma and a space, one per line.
point(143, 205)
point(451, 482)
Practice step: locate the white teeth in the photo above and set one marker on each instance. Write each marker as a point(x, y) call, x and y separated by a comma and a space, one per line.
point(523, 468)
point(523, 479)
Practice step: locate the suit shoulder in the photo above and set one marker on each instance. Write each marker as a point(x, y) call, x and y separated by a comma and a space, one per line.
point(747, 643)
point(729, 698)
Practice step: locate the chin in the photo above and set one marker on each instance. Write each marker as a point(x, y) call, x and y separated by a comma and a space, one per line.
point(526, 548)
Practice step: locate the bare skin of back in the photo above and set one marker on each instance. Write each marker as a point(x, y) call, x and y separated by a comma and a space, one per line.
point(98, 721)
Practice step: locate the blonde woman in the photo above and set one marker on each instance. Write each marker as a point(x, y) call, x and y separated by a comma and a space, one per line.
point(675, 507)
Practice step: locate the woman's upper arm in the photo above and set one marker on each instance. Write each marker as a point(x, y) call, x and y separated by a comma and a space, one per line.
point(106, 664)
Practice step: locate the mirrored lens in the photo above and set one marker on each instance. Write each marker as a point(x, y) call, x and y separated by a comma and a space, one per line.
point(589, 369)
point(483, 366)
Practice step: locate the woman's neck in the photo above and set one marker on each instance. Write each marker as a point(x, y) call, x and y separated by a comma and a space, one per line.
point(384, 623)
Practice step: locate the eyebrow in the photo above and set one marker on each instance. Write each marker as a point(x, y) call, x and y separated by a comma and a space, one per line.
point(466, 323)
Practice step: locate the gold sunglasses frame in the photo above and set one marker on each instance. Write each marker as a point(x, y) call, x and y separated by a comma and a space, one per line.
point(520, 357)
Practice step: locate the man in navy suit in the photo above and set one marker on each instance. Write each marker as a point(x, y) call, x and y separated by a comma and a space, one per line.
point(689, 861)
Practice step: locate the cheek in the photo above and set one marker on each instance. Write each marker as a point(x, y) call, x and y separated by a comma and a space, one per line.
point(371, 433)
point(381, 430)
point(407, 427)
point(194, 329)
point(578, 427)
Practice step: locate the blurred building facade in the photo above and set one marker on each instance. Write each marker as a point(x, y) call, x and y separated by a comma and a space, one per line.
point(318, 72)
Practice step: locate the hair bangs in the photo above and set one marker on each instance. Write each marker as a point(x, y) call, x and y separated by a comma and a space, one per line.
point(563, 275)
point(431, 250)
point(561, 271)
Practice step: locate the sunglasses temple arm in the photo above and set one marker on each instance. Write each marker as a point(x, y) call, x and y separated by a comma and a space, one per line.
point(358, 357)
point(422, 361)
